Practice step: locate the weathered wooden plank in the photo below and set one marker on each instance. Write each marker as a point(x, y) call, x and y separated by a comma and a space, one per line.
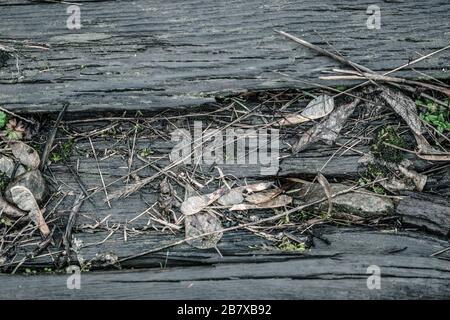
point(240, 246)
point(424, 210)
point(343, 277)
point(155, 54)
point(307, 164)
point(244, 246)
point(113, 148)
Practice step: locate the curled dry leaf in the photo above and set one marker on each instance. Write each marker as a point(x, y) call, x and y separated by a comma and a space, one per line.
point(195, 204)
point(418, 179)
point(26, 154)
point(263, 196)
point(327, 189)
point(316, 109)
point(7, 167)
point(328, 129)
point(32, 180)
point(167, 198)
point(203, 223)
point(25, 200)
point(280, 201)
point(434, 156)
point(234, 196)
point(256, 187)
point(348, 217)
point(9, 210)
point(406, 108)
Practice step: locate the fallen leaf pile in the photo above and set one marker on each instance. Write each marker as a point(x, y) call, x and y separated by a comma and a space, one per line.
point(316, 109)
point(27, 187)
point(200, 218)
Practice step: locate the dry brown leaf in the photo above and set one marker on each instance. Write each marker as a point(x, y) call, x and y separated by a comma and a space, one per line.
point(25, 200)
point(317, 108)
point(327, 189)
point(9, 210)
point(348, 217)
point(235, 195)
point(277, 202)
point(328, 129)
point(406, 108)
point(263, 196)
point(256, 187)
point(434, 157)
point(26, 154)
point(202, 223)
point(195, 204)
point(418, 179)
point(232, 197)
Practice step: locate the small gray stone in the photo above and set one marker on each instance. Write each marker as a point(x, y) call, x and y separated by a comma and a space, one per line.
point(31, 180)
point(25, 154)
point(360, 202)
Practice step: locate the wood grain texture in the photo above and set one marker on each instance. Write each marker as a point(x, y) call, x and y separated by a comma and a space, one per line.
point(343, 277)
point(153, 55)
point(426, 211)
point(157, 54)
point(239, 246)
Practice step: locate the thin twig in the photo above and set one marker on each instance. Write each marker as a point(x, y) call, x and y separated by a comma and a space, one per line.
point(100, 172)
point(51, 138)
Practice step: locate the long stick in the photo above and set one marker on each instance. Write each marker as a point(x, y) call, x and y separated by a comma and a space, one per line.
point(51, 138)
point(324, 52)
point(357, 66)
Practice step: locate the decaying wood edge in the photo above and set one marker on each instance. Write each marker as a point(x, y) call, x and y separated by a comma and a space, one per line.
point(343, 277)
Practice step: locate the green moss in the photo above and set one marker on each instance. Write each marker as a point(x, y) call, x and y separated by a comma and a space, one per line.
point(13, 135)
point(388, 136)
point(435, 115)
point(379, 190)
point(6, 222)
point(367, 180)
point(324, 214)
point(4, 181)
point(63, 151)
point(301, 215)
point(376, 171)
point(112, 132)
point(3, 119)
point(30, 271)
point(287, 245)
point(145, 152)
point(38, 271)
point(373, 173)
point(139, 127)
point(382, 150)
